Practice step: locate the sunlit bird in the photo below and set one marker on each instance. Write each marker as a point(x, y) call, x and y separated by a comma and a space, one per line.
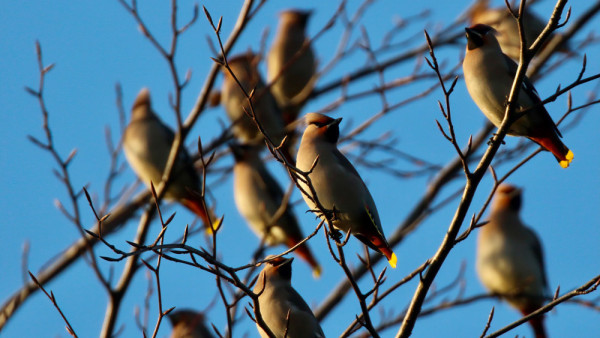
point(291, 64)
point(338, 185)
point(147, 144)
point(506, 25)
point(489, 75)
point(510, 262)
point(259, 199)
point(281, 306)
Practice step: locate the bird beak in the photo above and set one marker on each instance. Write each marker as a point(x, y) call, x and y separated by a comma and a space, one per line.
point(470, 33)
point(286, 262)
point(474, 38)
point(335, 122)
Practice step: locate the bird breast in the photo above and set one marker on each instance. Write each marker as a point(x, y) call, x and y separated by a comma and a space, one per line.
point(335, 186)
point(508, 266)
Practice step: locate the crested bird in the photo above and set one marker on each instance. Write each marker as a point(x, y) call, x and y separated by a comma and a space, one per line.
point(235, 102)
point(291, 64)
point(147, 143)
point(338, 186)
point(260, 200)
point(281, 306)
point(510, 261)
point(506, 25)
point(489, 75)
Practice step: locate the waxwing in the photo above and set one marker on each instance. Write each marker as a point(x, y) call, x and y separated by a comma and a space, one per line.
point(510, 262)
point(147, 143)
point(489, 75)
point(235, 102)
point(281, 307)
point(291, 67)
point(259, 199)
point(506, 25)
point(338, 185)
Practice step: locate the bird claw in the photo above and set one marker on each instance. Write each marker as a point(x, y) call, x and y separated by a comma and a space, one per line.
point(491, 140)
point(336, 234)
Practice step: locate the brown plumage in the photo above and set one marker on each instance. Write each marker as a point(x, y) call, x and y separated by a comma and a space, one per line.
point(489, 75)
point(147, 143)
point(506, 25)
point(291, 63)
point(510, 261)
point(259, 198)
point(281, 306)
point(235, 102)
point(338, 184)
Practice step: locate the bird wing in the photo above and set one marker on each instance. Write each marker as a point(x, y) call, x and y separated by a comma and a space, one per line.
point(370, 215)
point(184, 162)
point(270, 184)
point(536, 248)
point(531, 93)
point(527, 85)
point(300, 309)
point(296, 301)
point(274, 190)
point(343, 161)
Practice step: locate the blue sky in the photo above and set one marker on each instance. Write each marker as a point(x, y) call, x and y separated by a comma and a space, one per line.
point(95, 45)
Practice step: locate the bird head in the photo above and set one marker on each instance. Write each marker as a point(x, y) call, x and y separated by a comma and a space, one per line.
point(480, 35)
point(281, 267)
point(507, 197)
point(295, 17)
point(323, 126)
point(141, 106)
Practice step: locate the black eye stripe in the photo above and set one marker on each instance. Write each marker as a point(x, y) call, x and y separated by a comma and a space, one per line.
point(319, 124)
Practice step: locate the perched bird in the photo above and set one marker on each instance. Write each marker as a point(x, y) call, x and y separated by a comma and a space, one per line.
point(506, 25)
point(236, 104)
point(259, 199)
point(291, 64)
point(281, 307)
point(147, 143)
point(338, 185)
point(188, 324)
point(489, 75)
point(510, 262)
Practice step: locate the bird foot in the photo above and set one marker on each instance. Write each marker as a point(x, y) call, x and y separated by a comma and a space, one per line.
point(336, 234)
point(491, 140)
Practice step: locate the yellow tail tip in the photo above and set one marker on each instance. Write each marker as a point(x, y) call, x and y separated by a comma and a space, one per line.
point(215, 226)
point(569, 159)
point(316, 272)
point(393, 260)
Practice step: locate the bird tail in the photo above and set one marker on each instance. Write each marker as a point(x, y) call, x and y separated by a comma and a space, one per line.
point(196, 205)
point(537, 323)
point(390, 255)
point(553, 144)
point(304, 252)
point(380, 245)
